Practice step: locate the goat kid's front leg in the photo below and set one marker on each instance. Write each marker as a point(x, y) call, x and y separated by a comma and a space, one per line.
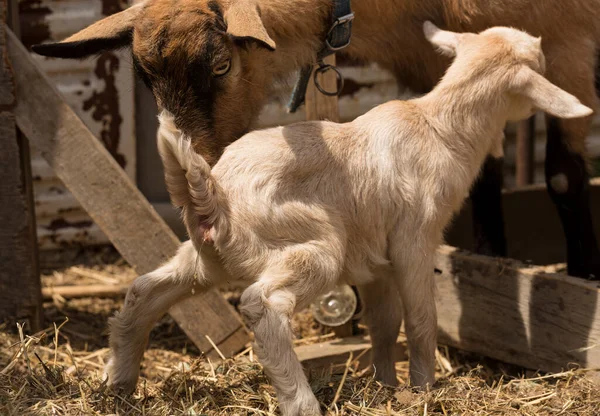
point(383, 316)
point(147, 300)
point(416, 284)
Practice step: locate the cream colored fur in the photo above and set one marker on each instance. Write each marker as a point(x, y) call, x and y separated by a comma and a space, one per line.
point(294, 210)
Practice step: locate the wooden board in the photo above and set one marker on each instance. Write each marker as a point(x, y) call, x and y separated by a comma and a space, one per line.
point(320, 106)
point(20, 288)
point(84, 291)
point(111, 199)
point(517, 314)
point(334, 354)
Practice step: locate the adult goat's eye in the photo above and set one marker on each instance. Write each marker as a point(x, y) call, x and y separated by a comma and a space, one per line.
point(221, 69)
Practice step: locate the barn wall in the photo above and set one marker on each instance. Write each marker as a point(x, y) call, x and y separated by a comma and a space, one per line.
point(100, 91)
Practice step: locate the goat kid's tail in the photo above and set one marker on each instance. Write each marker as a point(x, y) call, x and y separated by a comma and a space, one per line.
point(188, 179)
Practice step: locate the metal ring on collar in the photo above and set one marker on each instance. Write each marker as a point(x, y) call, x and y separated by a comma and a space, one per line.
point(322, 69)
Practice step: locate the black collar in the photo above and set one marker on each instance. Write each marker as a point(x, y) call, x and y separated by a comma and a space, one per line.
point(338, 37)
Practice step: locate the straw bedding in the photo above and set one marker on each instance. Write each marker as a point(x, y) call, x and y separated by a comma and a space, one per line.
point(59, 371)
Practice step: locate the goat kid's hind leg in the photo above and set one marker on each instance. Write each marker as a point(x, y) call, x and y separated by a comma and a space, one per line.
point(383, 316)
point(268, 315)
point(148, 299)
point(267, 307)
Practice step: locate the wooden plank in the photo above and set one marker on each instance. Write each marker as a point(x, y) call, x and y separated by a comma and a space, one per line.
point(20, 288)
point(82, 291)
point(517, 314)
point(524, 157)
point(320, 106)
point(335, 353)
point(107, 194)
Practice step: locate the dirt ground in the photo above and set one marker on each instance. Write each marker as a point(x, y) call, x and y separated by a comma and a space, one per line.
point(59, 371)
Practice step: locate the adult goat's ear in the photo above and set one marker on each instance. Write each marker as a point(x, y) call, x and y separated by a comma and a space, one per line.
point(245, 24)
point(446, 41)
point(547, 96)
point(112, 32)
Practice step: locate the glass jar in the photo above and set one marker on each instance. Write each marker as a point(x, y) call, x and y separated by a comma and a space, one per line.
point(335, 307)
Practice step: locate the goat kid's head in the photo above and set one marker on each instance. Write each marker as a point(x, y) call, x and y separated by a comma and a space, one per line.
point(194, 57)
point(514, 61)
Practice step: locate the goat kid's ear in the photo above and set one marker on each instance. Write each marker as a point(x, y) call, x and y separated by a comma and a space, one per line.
point(446, 41)
point(547, 96)
point(244, 23)
point(112, 32)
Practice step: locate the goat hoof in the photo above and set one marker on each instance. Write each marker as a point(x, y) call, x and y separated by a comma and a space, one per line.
point(306, 407)
point(390, 381)
point(593, 272)
point(589, 270)
point(118, 381)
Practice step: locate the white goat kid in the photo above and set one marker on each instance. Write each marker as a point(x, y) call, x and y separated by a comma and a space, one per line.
point(294, 210)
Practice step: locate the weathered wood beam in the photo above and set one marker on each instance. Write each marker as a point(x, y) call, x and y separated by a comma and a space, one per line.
point(111, 199)
point(319, 106)
point(335, 353)
point(525, 152)
point(501, 309)
point(84, 291)
point(517, 314)
point(20, 292)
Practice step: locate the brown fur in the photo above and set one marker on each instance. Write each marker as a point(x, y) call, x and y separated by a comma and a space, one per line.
point(171, 37)
point(215, 111)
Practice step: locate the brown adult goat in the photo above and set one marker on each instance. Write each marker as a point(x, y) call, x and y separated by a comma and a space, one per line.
point(211, 62)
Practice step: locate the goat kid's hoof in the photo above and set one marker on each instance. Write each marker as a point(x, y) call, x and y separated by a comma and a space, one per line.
point(117, 381)
point(306, 408)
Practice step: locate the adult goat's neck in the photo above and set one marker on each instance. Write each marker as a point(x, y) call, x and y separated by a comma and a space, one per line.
point(298, 28)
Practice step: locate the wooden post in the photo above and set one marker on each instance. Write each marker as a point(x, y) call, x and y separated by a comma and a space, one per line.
point(319, 106)
point(322, 107)
point(20, 287)
point(111, 199)
point(525, 154)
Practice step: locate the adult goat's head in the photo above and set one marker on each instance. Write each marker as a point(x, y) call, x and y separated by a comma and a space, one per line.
point(194, 57)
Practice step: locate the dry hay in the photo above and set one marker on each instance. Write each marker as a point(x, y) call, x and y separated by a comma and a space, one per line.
point(59, 372)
